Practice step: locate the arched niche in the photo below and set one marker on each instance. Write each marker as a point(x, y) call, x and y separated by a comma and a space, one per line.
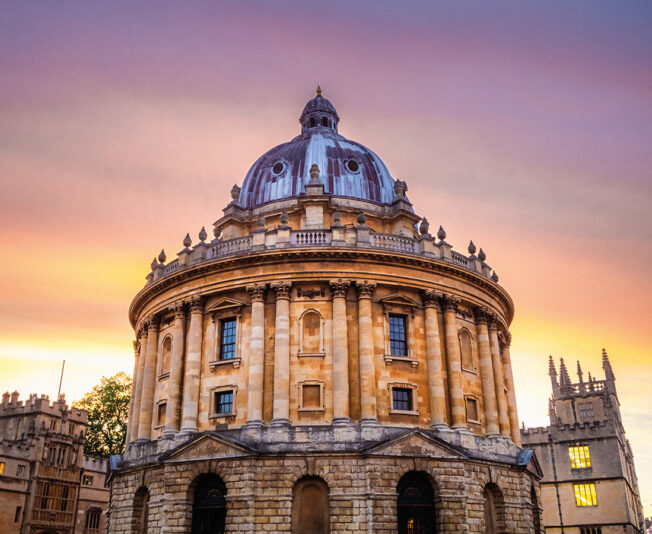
point(310, 507)
point(140, 509)
point(166, 354)
point(311, 333)
point(415, 506)
point(494, 509)
point(466, 349)
point(209, 505)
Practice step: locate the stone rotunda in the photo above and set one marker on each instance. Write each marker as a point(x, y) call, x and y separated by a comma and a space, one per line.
point(324, 364)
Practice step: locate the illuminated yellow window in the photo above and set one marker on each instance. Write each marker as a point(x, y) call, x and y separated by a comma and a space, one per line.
point(2, 467)
point(579, 457)
point(585, 495)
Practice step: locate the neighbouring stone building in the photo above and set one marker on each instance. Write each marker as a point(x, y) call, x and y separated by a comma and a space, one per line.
point(589, 484)
point(47, 485)
point(324, 364)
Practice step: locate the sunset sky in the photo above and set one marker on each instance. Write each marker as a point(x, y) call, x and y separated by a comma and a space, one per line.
point(526, 127)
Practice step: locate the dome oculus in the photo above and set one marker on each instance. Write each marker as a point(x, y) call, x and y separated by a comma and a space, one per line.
point(352, 166)
point(278, 168)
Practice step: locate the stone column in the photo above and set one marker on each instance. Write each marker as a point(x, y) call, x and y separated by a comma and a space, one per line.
point(499, 380)
point(368, 413)
point(281, 407)
point(193, 366)
point(149, 376)
point(256, 356)
point(511, 392)
point(486, 372)
point(433, 360)
point(453, 359)
point(173, 409)
point(132, 431)
point(340, 353)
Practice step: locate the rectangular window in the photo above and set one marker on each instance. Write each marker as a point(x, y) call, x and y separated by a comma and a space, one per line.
point(93, 521)
point(160, 413)
point(471, 409)
point(397, 337)
point(20, 470)
point(402, 399)
point(585, 410)
point(311, 396)
point(2, 467)
point(580, 458)
point(585, 495)
point(590, 530)
point(87, 480)
point(227, 338)
point(224, 402)
point(17, 514)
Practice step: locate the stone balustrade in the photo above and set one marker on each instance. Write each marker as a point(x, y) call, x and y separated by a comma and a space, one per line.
point(360, 237)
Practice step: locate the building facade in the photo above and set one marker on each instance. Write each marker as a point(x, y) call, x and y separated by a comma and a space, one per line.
point(589, 484)
point(324, 364)
point(47, 485)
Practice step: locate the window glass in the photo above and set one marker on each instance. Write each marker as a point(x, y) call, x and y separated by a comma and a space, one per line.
point(585, 410)
point(87, 480)
point(227, 342)
point(224, 402)
point(397, 339)
point(580, 457)
point(402, 399)
point(585, 495)
point(2, 467)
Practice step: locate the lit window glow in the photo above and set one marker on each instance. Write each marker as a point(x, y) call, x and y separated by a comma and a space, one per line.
point(585, 495)
point(580, 457)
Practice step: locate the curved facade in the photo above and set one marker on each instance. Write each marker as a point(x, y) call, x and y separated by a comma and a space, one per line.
point(321, 344)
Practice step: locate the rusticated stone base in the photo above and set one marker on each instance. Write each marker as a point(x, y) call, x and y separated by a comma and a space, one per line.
point(362, 478)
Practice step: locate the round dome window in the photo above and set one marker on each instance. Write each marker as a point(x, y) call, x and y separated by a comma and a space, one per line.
point(352, 166)
point(278, 167)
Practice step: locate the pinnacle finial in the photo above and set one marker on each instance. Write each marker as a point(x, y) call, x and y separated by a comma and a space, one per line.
point(563, 373)
point(187, 241)
point(318, 90)
point(606, 365)
point(202, 234)
point(580, 375)
point(551, 366)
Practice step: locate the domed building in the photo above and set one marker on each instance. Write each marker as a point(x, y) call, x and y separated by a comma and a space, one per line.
point(324, 364)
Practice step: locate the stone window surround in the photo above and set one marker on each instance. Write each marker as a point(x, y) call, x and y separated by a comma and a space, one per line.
point(220, 389)
point(474, 354)
point(158, 425)
point(159, 356)
point(322, 401)
point(399, 305)
point(226, 309)
point(403, 385)
point(322, 323)
point(477, 407)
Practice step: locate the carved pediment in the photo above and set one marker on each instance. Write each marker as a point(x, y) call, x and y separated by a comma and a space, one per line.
point(397, 299)
point(417, 443)
point(207, 447)
point(224, 304)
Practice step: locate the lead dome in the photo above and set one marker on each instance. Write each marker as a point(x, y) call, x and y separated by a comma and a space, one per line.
point(348, 168)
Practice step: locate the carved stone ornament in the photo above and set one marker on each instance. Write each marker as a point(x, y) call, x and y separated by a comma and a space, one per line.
point(431, 298)
point(365, 289)
point(482, 315)
point(441, 233)
point(508, 339)
point(235, 193)
point(339, 287)
point(202, 234)
point(152, 322)
point(494, 322)
point(311, 293)
point(162, 257)
point(337, 217)
point(314, 174)
point(282, 289)
point(257, 292)
point(285, 218)
point(187, 241)
point(450, 303)
point(362, 218)
point(179, 310)
point(400, 188)
point(196, 304)
point(424, 227)
point(261, 222)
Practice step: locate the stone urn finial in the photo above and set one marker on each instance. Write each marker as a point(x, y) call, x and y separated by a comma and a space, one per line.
point(285, 218)
point(202, 234)
point(441, 233)
point(481, 255)
point(314, 175)
point(400, 188)
point(235, 192)
point(337, 217)
point(162, 257)
point(154, 263)
point(187, 241)
point(472, 248)
point(494, 277)
point(362, 218)
point(424, 226)
point(217, 232)
point(261, 222)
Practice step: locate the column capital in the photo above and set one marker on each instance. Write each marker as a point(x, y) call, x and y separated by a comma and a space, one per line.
point(136, 344)
point(257, 292)
point(431, 298)
point(450, 302)
point(179, 309)
point(152, 322)
point(339, 287)
point(508, 339)
point(494, 322)
point(482, 315)
point(365, 289)
point(282, 289)
point(196, 304)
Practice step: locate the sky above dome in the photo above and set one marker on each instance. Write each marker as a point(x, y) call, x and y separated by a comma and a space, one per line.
point(526, 127)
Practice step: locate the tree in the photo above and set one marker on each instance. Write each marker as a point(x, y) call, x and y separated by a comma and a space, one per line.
point(108, 409)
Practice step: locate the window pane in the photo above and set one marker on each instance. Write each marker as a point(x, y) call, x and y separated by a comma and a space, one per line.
point(580, 457)
point(224, 402)
point(227, 345)
point(402, 399)
point(397, 338)
point(585, 495)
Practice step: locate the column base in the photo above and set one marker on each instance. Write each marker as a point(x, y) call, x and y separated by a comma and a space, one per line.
point(342, 421)
point(254, 423)
point(280, 422)
point(186, 432)
point(440, 427)
point(369, 421)
point(168, 434)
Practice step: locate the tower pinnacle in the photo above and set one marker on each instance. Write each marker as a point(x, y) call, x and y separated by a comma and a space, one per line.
point(564, 379)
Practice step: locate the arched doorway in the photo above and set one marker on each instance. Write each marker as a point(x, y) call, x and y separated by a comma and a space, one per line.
point(140, 511)
point(536, 513)
point(310, 507)
point(494, 520)
point(209, 506)
point(415, 504)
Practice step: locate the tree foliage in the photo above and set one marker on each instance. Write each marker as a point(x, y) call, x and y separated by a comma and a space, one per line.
point(108, 409)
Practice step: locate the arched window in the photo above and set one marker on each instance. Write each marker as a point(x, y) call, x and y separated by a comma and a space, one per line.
point(493, 509)
point(466, 350)
point(536, 513)
point(324, 122)
point(209, 506)
point(310, 507)
point(141, 511)
point(415, 504)
point(92, 520)
point(166, 351)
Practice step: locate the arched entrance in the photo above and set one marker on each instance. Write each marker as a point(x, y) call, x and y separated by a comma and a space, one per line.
point(493, 509)
point(310, 507)
point(209, 506)
point(416, 504)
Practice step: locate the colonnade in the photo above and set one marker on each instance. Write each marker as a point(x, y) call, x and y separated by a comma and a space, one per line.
point(501, 417)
